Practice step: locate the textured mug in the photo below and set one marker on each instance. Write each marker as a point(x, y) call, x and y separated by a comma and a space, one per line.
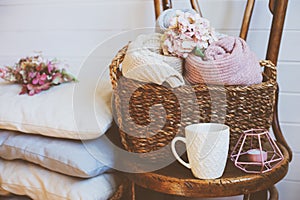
point(207, 149)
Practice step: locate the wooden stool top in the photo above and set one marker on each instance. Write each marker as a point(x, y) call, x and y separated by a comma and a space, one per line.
point(178, 180)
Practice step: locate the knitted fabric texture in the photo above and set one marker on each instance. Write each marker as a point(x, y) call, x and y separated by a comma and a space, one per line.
point(163, 21)
point(228, 61)
point(144, 62)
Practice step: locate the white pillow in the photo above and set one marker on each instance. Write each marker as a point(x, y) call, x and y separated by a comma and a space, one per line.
point(23, 178)
point(79, 110)
point(69, 157)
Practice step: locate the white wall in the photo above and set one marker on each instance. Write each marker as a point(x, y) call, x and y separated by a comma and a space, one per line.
point(70, 29)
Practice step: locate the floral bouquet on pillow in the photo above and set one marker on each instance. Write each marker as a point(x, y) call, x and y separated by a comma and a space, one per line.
point(187, 31)
point(35, 74)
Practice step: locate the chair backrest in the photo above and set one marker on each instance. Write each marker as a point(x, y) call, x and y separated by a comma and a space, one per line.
point(161, 5)
point(278, 9)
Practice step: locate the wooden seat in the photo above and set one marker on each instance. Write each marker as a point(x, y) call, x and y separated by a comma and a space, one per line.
point(177, 180)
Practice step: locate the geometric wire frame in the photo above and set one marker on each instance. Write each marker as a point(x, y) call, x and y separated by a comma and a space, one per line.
point(256, 152)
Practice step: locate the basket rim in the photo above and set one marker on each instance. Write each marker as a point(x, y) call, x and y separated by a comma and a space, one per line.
point(268, 81)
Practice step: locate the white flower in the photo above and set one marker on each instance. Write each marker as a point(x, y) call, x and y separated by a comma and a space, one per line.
point(186, 31)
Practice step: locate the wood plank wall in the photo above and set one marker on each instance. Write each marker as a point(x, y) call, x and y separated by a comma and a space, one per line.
point(70, 29)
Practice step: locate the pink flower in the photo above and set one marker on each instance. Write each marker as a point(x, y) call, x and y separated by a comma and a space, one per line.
point(39, 79)
point(32, 74)
point(50, 67)
point(2, 73)
point(34, 89)
point(39, 67)
point(35, 75)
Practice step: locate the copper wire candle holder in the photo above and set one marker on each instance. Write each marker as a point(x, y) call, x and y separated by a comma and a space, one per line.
point(256, 152)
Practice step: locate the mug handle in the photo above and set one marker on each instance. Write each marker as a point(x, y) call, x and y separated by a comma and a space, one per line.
point(182, 139)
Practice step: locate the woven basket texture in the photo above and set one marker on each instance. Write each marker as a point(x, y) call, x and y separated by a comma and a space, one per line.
point(149, 116)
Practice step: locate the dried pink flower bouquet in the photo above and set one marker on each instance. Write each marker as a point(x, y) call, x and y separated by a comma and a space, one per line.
point(35, 74)
point(186, 32)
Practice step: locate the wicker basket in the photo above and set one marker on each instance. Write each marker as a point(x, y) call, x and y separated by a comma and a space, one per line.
point(169, 110)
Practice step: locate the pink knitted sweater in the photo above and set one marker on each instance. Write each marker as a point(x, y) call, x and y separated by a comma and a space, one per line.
point(228, 61)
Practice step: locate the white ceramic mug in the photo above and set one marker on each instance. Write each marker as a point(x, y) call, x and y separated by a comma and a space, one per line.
point(207, 149)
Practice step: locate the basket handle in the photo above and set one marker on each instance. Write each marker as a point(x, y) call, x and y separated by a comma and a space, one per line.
point(272, 69)
point(114, 67)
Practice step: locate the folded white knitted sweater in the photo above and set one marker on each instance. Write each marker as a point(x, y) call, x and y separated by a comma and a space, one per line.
point(144, 62)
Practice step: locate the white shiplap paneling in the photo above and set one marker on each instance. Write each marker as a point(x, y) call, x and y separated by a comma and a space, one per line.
point(87, 15)
point(66, 43)
point(293, 173)
point(288, 77)
point(102, 15)
point(79, 43)
point(288, 190)
point(291, 132)
point(289, 108)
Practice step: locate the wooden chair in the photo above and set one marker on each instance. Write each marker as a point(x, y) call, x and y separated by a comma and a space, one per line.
point(252, 186)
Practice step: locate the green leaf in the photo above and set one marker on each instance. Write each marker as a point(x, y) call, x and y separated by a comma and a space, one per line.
point(199, 52)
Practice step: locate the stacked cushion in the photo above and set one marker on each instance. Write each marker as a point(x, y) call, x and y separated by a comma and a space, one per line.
point(23, 178)
point(42, 153)
point(68, 157)
point(79, 110)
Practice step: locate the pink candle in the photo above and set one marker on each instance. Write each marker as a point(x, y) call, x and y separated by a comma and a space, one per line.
point(254, 155)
